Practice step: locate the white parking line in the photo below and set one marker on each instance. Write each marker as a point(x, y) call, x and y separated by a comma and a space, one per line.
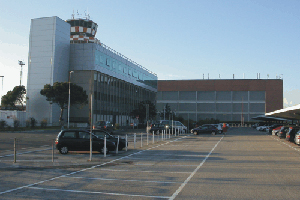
point(107, 193)
point(136, 171)
point(103, 164)
point(194, 172)
point(113, 179)
point(285, 143)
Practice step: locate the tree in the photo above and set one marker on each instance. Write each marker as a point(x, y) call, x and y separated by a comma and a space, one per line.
point(166, 113)
point(140, 110)
point(59, 94)
point(16, 96)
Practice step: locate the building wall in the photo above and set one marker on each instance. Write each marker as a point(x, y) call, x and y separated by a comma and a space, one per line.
point(226, 100)
point(116, 83)
point(49, 48)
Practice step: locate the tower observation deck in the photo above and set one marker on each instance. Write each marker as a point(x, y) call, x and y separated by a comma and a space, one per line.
point(82, 30)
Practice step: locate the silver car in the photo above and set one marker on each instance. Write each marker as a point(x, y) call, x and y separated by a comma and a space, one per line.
point(297, 138)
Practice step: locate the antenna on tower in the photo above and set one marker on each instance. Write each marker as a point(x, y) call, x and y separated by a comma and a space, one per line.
point(87, 14)
point(73, 15)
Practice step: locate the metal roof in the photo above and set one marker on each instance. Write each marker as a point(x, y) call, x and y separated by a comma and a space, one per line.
point(291, 113)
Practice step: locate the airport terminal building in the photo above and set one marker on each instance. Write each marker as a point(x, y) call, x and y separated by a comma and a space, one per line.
point(226, 100)
point(61, 50)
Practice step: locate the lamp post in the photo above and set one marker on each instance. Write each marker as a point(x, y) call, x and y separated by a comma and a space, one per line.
point(69, 98)
point(1, 90)
point(21, 64)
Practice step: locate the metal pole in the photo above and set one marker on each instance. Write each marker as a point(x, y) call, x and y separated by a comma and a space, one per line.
point(153, 137)
point(91, 127)
point(126, 143)
point(69, 100)
point(134, 140)
point(169, 133)
point(147, 138)
point(15, 150)
point(141, 140)
point(117, 148)
point(52, 150)
point(104, 148)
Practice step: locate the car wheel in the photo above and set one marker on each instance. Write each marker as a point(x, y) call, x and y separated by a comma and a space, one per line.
point(195, 133)
point(213, 133)
point(63, 150)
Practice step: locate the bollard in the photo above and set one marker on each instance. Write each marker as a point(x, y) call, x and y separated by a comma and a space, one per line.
point(153, 137)
point(147, 139)
point(15, 150)
point(169, 133)
point(141, 140)
point(126, 143)
point(175, 131)
point(134, 140)
point(52, 150)
point(104, 148)
point(117, 148)
point(162, 135)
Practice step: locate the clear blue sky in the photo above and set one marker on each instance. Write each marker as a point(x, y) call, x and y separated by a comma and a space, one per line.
point(176, 39)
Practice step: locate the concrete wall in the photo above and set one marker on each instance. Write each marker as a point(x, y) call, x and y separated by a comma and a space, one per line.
point(49, 50)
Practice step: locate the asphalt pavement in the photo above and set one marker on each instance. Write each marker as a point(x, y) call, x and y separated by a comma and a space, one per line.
point(243, 164)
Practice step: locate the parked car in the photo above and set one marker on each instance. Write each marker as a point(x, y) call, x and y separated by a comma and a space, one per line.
point(104, 125)
point(79, 140)
point(179, 126)
point(273, 127)
point(297, 138)
point(282, 132)
point(262, 128)
point(160, 126)
point(206, 128)
point(290, 135)
point(112, 138)
point(276, 130)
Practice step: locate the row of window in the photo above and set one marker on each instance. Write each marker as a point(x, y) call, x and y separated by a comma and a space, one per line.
point(121, 68)
point(212, 95)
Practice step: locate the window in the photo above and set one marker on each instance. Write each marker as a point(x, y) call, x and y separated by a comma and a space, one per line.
point(70, 134)
point(84, 135)
point(107, 61)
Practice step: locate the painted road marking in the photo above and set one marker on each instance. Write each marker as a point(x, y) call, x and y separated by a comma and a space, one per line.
point(103, 164)
point(107, 193)
point(194, 172)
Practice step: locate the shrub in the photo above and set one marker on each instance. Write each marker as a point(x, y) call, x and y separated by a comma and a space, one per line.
point(16, 123)
point(2, 124)
point(32, 122)
point(27, 123)
point(44, 123)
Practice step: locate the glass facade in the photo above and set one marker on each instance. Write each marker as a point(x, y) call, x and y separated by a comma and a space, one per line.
point(114, 99)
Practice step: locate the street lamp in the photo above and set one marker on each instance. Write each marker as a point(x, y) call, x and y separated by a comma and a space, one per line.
point(21, 64)
point(69, 98)
point(1, 90)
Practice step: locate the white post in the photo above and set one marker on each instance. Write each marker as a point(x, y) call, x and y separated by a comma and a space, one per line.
point(104, 148)
point(134, 139)
point(117, 148)
point(169, 133)
point(126, 143)
point(147, 138)
point(153, 137)
point(141, 140)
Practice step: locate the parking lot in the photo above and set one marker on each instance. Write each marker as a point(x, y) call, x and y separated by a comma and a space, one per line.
point(243, 164)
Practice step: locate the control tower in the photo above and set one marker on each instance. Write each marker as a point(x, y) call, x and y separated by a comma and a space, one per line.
point(82, 30)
